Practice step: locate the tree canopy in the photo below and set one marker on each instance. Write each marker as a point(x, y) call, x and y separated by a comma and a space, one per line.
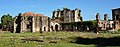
point(7, 21)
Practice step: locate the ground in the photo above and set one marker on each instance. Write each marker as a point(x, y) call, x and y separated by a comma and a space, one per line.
point(59, 39)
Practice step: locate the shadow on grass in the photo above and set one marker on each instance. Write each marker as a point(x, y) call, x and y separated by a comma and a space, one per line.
point(114, 41)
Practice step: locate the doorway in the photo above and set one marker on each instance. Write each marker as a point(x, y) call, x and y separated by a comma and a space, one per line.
point(56, 27)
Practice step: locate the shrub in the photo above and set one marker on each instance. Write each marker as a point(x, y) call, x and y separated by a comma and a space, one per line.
point(118, 30)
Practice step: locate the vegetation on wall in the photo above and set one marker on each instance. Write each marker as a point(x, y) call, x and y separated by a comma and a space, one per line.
point(93, 22)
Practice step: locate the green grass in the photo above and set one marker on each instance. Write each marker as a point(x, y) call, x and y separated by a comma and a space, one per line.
point(50, 39)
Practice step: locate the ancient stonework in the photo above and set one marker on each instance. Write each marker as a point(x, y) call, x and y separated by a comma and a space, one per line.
point(65, 19)
point(106, 17)
point(32, 22)
point(116, 18)
point(65, 16)
point(104, 24)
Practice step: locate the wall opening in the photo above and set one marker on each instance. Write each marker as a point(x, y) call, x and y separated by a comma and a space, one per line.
point(56, 27)
point(52, 28)
point(44, 28)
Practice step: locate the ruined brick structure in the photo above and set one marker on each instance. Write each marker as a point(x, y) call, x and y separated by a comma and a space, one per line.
point(116, 18)
point(104, 24)
point(32, 22)
point(65, 16)
point(65, 19)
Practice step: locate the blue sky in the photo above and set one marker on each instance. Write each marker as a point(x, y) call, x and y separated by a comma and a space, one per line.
point(88, 7)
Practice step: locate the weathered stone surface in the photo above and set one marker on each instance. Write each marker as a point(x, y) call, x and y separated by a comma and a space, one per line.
point(106, 17)
point(116, 18)
point(63, 19)
point(31, 22)
point(104, 24)
point(64, 16)
point(67, 15)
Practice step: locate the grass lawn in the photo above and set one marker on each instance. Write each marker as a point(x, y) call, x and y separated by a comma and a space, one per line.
point(58, 39)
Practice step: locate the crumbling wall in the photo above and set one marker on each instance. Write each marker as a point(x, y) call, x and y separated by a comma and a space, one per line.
point(45, 23)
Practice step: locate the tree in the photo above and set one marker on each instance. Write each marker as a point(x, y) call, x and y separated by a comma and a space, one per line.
point(7, 22)
point(19, 14)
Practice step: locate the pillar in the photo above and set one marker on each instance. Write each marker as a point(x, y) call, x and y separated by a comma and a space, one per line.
point(33, 24)
point(106, 17)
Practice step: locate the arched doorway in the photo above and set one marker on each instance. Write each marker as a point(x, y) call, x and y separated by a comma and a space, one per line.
point(56, 27)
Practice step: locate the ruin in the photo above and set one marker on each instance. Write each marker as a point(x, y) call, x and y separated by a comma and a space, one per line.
point(32, 22)
point(116, 18)
point(66, 15)
point(66, 19)
point(111, 24)
point(104, 24)
point(60, 17)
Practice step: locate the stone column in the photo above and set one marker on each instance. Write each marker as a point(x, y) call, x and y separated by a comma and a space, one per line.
point(22, 24)
point(53, 15)
point(37, 23)
point(77, 15)
point(59, 14)
point(33, 24)
point(56, 13)
point(97, 19)
point(15, 24)
point(106, 17)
